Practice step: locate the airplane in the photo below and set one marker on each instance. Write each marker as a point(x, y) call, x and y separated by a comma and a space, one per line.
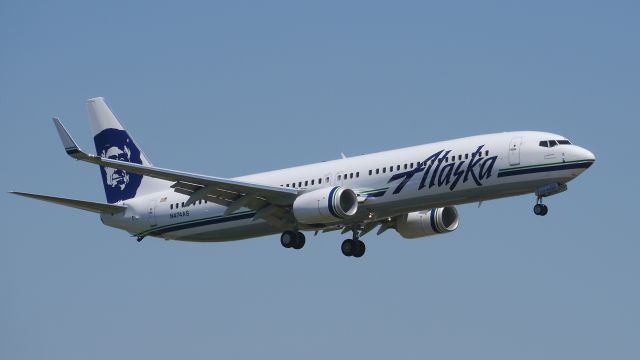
point(413, 190)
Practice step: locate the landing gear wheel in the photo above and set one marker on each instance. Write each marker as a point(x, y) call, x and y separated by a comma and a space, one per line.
point(347, 247)
point(359, 248)
point(540, 209)
point(288, 238)
point(300, 240)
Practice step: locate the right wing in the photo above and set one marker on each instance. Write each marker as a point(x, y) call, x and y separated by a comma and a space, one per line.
point(270, 202)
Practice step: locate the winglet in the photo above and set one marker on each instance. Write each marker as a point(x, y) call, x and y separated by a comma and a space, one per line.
point(69, 144)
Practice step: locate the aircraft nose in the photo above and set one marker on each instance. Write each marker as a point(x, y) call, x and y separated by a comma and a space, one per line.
point(585, 155)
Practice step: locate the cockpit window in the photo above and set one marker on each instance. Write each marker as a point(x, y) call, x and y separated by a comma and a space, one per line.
point(552, 143)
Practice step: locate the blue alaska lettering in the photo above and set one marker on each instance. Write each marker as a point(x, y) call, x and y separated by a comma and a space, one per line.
point(438, 172)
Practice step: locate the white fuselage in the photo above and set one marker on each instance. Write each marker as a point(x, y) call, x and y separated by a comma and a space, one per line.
point(388, 183)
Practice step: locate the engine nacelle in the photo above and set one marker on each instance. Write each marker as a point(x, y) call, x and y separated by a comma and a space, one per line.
point(425, 223)
point(325, 205)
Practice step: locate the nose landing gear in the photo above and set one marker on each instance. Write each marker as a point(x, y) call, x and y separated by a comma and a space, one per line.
point(540, 209)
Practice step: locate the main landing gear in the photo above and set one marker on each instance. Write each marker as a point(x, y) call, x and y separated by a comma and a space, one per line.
point(292, 239)
point(353, 247)
point(540, 209)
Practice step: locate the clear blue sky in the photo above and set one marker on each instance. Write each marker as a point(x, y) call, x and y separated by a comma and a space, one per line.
point(238, 87)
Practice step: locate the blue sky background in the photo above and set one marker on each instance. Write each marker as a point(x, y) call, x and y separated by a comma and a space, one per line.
point(239, 87)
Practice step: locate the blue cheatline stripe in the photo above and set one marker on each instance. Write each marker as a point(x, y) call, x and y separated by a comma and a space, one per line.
point(434, 224)
point(197, 223)
point(332, 210)
point(544, 168)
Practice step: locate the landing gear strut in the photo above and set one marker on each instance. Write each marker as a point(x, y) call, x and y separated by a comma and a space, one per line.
point(353, 247)
point(540, 209)
point(292, 239)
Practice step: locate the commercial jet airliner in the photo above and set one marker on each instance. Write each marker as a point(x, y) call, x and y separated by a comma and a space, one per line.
point(412, 190)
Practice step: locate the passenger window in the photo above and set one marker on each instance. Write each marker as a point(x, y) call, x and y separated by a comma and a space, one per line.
point(312, 181)
point(350, 175)
point(412, 165)
point(384, 170)
point(466, 156)
point(486, 153)
point(377, 171)
point(339, 177)
point(453, 158)
point(182, 205)
point(320, 181)
point(357, 174)
point(200, 202)
point(327, 179)
point(171, 206)
point(390, 168)
point(299, 184)
point(405, 166)
point(459, 157)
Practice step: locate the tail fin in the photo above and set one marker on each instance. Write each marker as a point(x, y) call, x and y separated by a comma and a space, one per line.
point(114, 142)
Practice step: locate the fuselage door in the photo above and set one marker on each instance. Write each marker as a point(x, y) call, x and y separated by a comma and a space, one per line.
point(514, 151)
point(151, 213)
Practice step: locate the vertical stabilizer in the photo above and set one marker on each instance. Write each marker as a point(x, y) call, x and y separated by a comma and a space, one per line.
point(114, 142)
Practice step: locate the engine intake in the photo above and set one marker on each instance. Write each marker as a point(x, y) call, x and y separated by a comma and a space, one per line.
point(425, 223)
point(325, 205)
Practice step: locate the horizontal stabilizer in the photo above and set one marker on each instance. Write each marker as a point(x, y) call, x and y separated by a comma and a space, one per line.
point(95, 207)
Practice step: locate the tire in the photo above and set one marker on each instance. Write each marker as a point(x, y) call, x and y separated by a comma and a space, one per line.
point(545, 210)
point(359, 248)
point(538, 209)
point(288, 239)
point(300, 241)
point(347, 247)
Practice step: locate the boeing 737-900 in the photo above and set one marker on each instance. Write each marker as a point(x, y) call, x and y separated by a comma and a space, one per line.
point(413, 190)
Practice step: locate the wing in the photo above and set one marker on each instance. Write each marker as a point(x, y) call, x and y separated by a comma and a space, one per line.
point(271, 203)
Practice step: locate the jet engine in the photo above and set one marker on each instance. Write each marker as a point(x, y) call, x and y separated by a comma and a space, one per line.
point(325, 205)
point(425, 223)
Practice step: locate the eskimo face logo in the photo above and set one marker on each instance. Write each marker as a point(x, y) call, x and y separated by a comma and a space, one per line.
point(117, 177)
point(116, 144)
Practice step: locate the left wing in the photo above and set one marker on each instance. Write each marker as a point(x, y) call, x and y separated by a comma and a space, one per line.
point(270, 202)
